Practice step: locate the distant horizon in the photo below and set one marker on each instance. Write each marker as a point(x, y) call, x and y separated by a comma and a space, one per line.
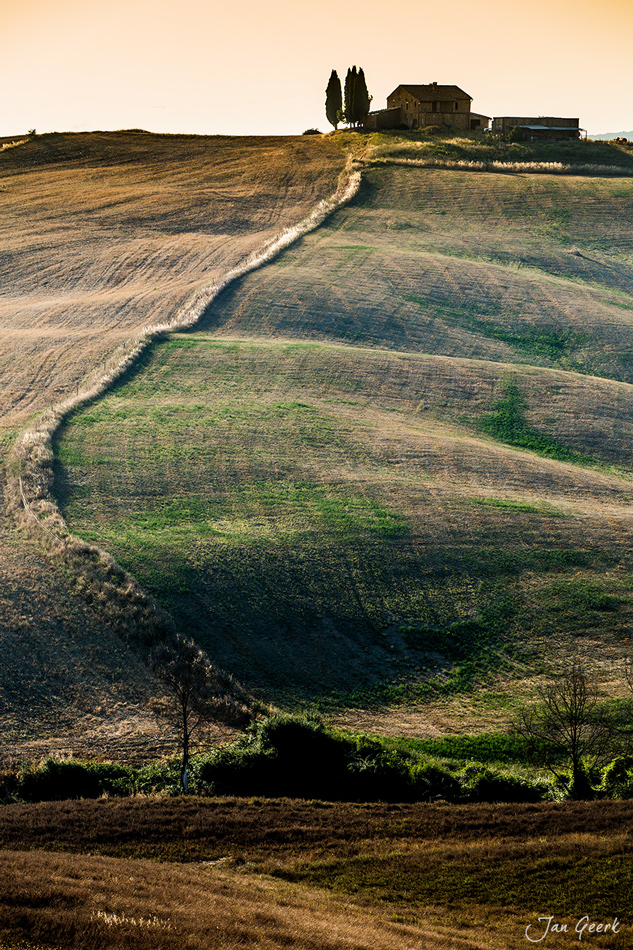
point(342, 128)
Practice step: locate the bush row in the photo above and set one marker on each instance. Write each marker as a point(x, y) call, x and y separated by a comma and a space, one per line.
point(297, 757)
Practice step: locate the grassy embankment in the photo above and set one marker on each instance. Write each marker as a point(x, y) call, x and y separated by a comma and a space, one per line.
point(437, 147)
point(385, 468)
point(102, 234)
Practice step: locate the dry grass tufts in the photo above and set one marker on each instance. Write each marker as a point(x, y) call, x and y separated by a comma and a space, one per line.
point(110, 904)
point(510, 167)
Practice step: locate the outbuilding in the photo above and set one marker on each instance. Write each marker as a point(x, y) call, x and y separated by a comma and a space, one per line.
point(542, 127)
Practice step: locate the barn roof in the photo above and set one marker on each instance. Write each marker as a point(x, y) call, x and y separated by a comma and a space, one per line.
point(433, 91)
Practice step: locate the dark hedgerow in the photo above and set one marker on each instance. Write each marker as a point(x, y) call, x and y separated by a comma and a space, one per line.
point(61, 779)
point(298, 757)
point(286, 756)
point(57, 780)
point(481, 784)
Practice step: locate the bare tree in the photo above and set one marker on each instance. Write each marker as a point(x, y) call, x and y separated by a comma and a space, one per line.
point(628, 672)
point(197, 694)
point(567, 720)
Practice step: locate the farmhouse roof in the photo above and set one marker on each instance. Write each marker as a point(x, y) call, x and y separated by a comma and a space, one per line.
point(433, 91)
point(550, 128)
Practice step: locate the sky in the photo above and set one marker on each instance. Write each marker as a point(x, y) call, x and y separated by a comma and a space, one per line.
point(253, 67)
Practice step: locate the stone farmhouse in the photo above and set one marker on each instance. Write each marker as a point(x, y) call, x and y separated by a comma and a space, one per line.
point(415, 107)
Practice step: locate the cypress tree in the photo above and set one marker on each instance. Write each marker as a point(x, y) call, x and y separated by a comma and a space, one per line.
point(362, 99)
point(333, 99)
point(350, 95)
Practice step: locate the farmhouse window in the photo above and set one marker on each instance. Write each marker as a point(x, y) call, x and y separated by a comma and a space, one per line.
point(456, 106)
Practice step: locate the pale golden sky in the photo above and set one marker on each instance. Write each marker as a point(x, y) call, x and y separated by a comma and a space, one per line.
point(261, 66)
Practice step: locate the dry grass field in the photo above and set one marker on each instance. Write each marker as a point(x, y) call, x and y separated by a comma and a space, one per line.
point(273, 873)
point(486, 266)
point(102, 234)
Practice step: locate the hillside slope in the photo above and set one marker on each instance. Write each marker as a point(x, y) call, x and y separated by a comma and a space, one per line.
point(102, 234)
point(384, 464)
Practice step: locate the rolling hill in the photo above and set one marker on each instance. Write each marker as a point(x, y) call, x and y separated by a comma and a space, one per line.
point(394, 463)
point(388, 474)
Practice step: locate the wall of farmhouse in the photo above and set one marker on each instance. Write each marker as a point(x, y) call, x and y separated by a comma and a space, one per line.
point(451, 114)
point(383, 119)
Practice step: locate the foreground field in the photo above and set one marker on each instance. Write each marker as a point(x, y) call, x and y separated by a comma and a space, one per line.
point(102, 234)
point(281, 873)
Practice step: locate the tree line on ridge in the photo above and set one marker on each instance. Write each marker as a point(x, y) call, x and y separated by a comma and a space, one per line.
point(350, 103)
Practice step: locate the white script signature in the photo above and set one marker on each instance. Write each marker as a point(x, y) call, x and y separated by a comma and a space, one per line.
point(549, 926)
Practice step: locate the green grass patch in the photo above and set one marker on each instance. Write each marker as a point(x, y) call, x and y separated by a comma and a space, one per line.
point(554, 345)
point(511, 504)
point(488, 747)
point(536, 876)
point(508, 424)
point(583, 595)
point(287, 506)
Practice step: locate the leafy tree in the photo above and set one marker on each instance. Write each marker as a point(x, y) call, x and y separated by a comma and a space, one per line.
point(197, 694)
point(362, 99)
point(333, 99)
point(567, 721)
point(350, 96)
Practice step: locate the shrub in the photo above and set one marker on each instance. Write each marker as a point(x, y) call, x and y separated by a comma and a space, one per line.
point(432, 783)
point(515, 135)
point(313, 132)
point(485, 785)
point(233, 770)
point(296, 756)
point(60, 779)
point(617, 778)
point(279, 756)
point(9, 785)
point(162, 776)
point(375, 774)
point(113, 779)
point(57, 780)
